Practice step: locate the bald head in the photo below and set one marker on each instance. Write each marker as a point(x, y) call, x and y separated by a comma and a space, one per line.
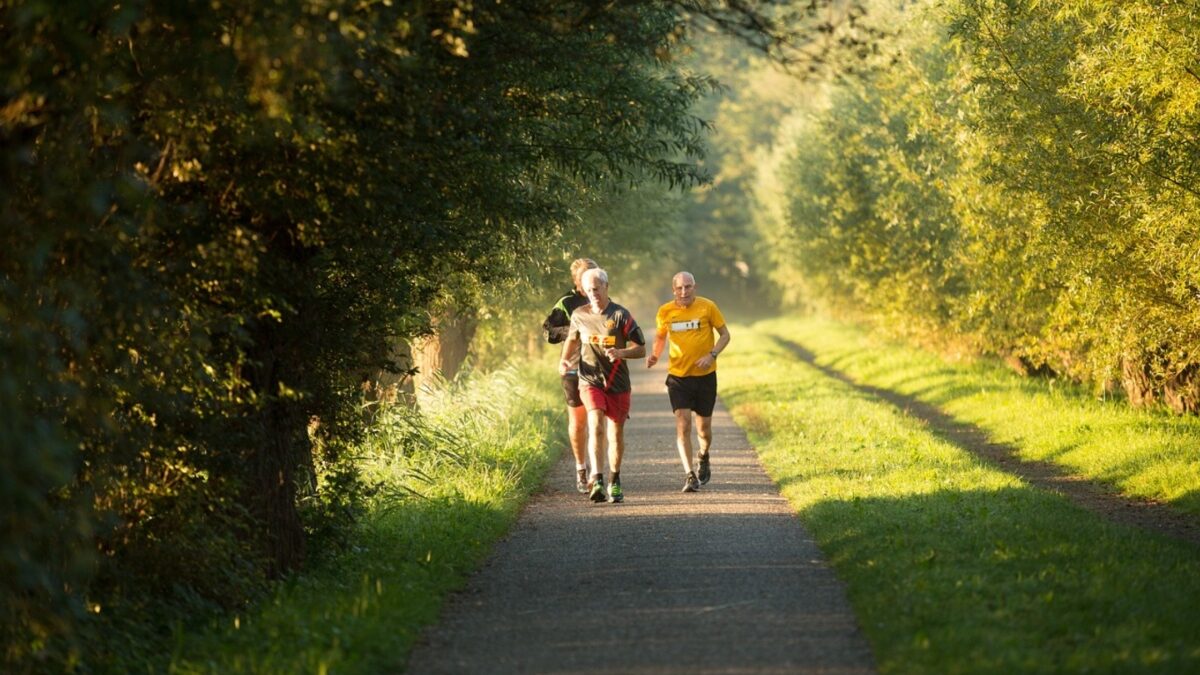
point(683, 287)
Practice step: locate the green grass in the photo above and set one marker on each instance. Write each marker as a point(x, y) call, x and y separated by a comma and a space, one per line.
point(456, 481)
point(951, 565)
point(1150, 454)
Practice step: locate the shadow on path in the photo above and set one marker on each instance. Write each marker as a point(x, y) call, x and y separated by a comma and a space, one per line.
point(1091, 495)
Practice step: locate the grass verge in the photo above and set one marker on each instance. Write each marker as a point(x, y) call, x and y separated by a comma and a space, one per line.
point(1149, 454)
point(454, 481)
point(953, 566)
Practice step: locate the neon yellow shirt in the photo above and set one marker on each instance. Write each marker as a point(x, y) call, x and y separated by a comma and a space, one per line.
point(690, 331)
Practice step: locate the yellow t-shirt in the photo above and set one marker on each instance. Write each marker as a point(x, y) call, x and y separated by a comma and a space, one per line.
point(690, 331)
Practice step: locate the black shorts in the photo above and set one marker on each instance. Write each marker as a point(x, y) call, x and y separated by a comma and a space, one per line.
point(571, 390)
point(698, 393)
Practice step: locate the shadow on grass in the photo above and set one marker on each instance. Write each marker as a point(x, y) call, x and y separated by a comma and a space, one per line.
point(360, 611)
point(1097, 497)
point(1014, 580)
point(1189, 500)
point(1000, 378)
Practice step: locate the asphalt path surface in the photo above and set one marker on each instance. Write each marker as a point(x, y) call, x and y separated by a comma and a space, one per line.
point(724, 580)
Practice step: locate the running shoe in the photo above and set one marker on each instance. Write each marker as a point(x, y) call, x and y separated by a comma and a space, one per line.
point(581, 482)
point(705, 473)
point(615, 495)
point(597, 489)
point(691, 484)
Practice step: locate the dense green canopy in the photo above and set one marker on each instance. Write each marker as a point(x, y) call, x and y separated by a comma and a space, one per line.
point(1020, 177)
point(217, 219)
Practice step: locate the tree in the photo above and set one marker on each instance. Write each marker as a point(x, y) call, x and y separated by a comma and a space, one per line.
point(217, 218)
point(1018, 174)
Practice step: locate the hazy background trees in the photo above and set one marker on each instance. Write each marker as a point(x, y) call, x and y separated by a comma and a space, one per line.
point(1017, 178)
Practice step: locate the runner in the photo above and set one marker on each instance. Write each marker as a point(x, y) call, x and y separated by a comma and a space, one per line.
point(555, 327)
point(689, 321)
point(605, 335)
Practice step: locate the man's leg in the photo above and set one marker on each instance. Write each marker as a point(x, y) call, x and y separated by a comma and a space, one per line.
point(683, 441)
point(616, 450)
point(576, 428)
point(706, 398)
point(616, 445)
point(597, 442)
point(683, 437)
point(578, 433)
point(704, 431)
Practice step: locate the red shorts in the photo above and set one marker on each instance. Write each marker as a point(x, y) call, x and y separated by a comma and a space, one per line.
point(615, 406)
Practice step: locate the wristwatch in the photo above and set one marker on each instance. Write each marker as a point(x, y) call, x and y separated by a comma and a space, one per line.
point(714, 355)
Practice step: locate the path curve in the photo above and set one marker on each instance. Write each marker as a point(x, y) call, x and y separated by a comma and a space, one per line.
point(725, 580)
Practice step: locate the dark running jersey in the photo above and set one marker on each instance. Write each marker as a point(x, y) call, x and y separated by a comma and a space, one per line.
point(558, 322)
point(614, 327)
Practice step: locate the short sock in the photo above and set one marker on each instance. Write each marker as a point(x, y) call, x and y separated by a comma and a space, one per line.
point(615, 478)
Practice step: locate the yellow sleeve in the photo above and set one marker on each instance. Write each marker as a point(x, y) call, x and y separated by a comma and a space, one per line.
point(717, 318)
point(660, 321)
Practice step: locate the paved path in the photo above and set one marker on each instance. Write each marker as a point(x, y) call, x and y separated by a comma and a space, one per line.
point(725, 580)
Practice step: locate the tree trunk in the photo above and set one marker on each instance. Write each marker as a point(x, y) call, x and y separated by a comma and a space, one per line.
point(1137, 381)
point(385, 386)
point(285, 440)
point(1182, 391)
point(443, 353)
point(280, 446)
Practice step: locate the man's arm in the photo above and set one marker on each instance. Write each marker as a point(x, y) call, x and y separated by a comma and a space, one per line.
point(710, 358)
point(570, 347)
point(722, 340)
point(660, 342)
point(637, 351)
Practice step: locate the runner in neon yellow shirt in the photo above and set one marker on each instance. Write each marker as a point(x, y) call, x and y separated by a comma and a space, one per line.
point(688, 322)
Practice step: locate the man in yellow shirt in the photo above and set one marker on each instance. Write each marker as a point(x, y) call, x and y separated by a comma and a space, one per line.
point(689, 321)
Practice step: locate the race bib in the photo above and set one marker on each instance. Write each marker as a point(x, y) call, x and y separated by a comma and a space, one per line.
point(602, 340)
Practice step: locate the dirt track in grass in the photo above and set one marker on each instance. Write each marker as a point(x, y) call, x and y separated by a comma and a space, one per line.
point(1096, 497)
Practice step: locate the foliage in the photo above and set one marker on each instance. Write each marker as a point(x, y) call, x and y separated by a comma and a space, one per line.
point(450, 478)
point(717, 246)
point(720, 242)
point(628, 231)
point(1016, 176)
point(218, 219)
